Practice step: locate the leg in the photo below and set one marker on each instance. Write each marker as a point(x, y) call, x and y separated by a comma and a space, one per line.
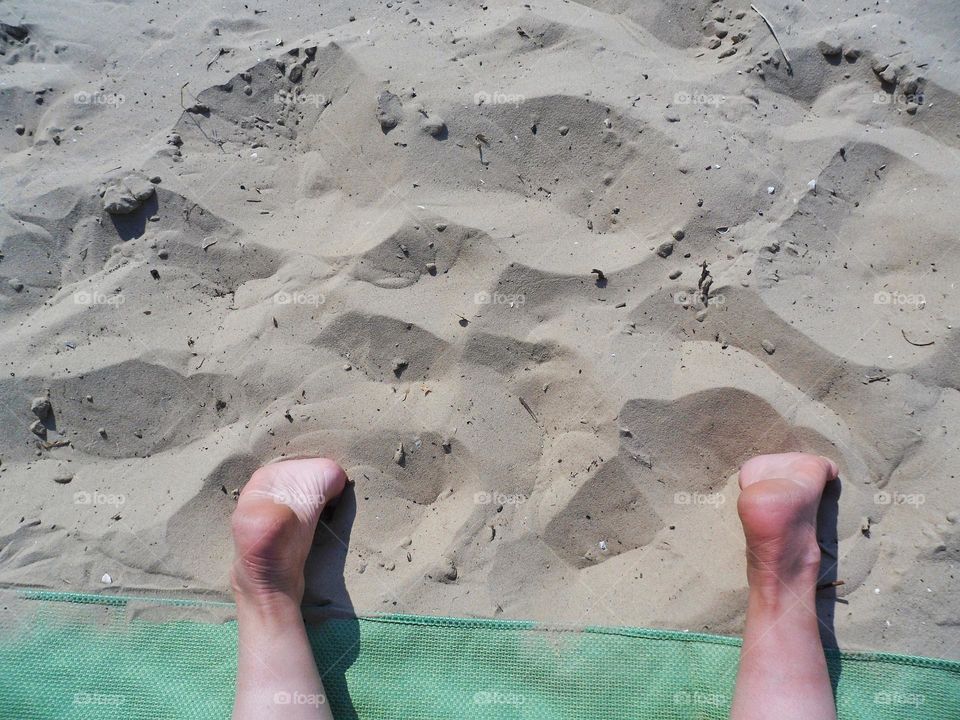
point(273, 528)
point(783, 672)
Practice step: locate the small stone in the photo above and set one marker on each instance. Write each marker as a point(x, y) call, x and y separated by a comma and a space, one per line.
point(768, 347)
point(41, 407)
point(701, 315)
point(732, 50)
point(399, 365)
point(909, 86)
point(296, 73)
point(440, 227)
point(139, 187)
point(563, 129)
point(675, 274)
point(851, 54)
point(163, 254)
point(399, 455)
point(490, 533)
point(449, 572)
point(431, 268)
point(829, 49)
point(665, 249)
point(713, 43)
point(106, 579)
point(38, 429)
point(390, 566)
point(912, 108)
point(865, 525)
point(155, 179)
point(889, 75)
point(102, 432)
point(15, 284)
point(433, 126)
point(19, 129)
point(119, 200)
point(679, 234)
point(406, 542)
point(388, 111)
point(347, 367)
point(63, 478)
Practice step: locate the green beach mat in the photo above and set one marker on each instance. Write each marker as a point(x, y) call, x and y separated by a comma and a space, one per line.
point(67, 656)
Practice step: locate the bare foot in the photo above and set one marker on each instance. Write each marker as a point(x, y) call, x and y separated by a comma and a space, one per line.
point(273, 529)
point(783, 672)
point(778, 505)
point(274, 525)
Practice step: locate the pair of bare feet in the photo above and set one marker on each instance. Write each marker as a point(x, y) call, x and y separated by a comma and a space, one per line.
point(783, 672)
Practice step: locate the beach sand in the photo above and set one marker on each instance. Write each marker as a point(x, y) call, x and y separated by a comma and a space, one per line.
point(539, 276)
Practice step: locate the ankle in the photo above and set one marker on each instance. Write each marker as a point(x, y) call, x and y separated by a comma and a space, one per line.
point(780, 590)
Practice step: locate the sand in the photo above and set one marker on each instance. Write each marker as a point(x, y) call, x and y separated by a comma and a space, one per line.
point(540, 276)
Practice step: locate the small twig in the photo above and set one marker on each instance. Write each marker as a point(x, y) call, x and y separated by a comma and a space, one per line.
point(529, 410)
point(220, 52)
point(774, 33)
point(832, 583)
point(904, 333)
point(218, 143)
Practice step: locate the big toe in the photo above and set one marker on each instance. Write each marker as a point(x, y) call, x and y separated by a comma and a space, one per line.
point(798, 467)
point(304, 485)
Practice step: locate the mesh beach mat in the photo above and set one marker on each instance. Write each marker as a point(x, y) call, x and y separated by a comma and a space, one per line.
point(67, 655)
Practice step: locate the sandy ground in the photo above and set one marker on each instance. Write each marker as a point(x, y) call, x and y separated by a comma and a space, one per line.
point(232, 232)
